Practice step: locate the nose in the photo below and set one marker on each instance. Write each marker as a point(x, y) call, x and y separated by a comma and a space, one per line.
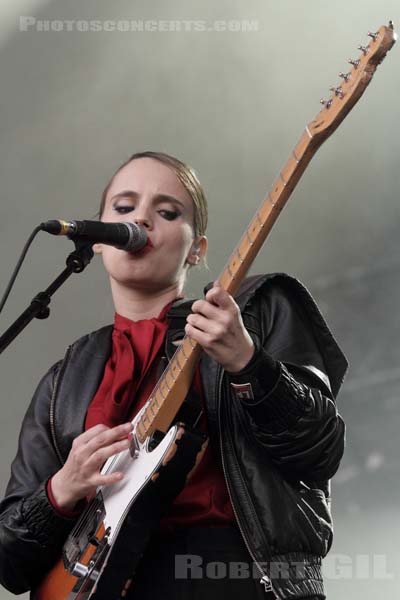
point(143, 222)
point(143, 213)
point(143, 218)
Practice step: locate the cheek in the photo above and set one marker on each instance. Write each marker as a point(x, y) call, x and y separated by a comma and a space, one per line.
point(185, 238)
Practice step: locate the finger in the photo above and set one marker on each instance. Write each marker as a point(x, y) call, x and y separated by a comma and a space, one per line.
point(202, 337)
point(91, 433)
point(217, 295)
point(99, 457)
point(110, 479)
point(213, 327)
point(108, 436)
point(205, 308)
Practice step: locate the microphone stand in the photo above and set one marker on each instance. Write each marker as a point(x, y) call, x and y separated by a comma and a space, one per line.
point(39, 306)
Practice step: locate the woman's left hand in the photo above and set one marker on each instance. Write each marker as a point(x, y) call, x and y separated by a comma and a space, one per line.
point(217, 325)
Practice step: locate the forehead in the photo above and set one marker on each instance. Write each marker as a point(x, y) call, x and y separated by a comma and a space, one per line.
point(149, 177)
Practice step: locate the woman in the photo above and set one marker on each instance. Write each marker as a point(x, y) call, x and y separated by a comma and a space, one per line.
point(259, 495)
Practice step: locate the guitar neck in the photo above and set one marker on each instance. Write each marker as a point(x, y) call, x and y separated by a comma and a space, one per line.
point(175, 382)
point(260, 226)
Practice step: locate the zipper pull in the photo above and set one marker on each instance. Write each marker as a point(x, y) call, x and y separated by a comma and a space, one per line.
point(266, 582)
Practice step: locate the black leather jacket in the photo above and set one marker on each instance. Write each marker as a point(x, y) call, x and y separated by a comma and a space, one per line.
point(279, 449)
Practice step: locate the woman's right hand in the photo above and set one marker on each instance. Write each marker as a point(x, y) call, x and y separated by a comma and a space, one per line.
point(80, 476)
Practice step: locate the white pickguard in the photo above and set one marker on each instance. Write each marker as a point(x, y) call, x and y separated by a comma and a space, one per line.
point(137, 473)
point(138, 470)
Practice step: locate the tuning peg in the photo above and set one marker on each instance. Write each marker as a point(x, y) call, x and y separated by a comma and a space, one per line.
point(337, 90)
point(354, 62)
point(345, 76)
point(364, 49)
point(374, 36)
point(326, 103)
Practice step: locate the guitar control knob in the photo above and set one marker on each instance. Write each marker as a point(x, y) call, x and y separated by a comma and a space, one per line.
point(80, 570)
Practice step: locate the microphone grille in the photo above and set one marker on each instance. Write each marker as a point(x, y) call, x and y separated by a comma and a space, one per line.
point(137, 237)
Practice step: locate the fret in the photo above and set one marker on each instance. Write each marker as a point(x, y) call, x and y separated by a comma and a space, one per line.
point(170, 372)
point(283, 180)
point(310, 135)
point(159, 389)
point(265, 209)
point(234, 264)
point(191, 342)
point(161, 383)
point(161, 401)
point(144, 418)
point(143, 426)
point(239, 255)
point(301, 146)
point(295, 156)
point(139, 433)
point(254, 229)
point(248, 237)
point(177, 357)
point(243, 248)
point(149, 415)
point(230, 272)
point(182, 349)
point(287, 171)
point(172, 380)
point(147, 421)
point(277, 188)
point(261, 222)
point(174, 366)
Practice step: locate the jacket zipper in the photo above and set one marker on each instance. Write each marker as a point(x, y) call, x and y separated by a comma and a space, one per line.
point(52, 405)
point(265, 580)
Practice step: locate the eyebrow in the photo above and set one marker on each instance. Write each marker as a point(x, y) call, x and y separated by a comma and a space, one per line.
point(158, 197)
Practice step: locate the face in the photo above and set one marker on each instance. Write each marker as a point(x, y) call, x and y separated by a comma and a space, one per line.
point(149, 193)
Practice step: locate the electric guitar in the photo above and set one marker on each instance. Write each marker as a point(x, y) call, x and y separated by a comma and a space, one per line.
point(91, 552)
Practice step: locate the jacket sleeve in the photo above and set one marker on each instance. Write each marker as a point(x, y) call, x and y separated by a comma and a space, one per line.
point(285, 392)
point(31, 532)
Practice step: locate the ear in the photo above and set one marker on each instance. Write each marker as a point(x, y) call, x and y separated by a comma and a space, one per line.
point(97, 248)
point(197, 250)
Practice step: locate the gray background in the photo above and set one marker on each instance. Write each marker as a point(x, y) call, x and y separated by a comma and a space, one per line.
point(74, 105)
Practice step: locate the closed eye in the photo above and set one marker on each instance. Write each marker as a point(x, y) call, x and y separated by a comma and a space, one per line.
point(169, 215)
point(123, 210)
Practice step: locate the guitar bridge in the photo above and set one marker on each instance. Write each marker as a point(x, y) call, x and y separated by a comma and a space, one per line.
point(84, 534)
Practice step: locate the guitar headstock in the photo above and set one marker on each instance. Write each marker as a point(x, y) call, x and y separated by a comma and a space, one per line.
point(353, 84)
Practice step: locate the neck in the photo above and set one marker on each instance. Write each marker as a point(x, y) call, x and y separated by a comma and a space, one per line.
point(142, 304)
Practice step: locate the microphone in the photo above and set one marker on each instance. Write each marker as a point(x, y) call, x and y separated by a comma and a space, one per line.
point(125, 236)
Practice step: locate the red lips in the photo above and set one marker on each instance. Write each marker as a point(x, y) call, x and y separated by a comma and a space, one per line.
point(146, 248)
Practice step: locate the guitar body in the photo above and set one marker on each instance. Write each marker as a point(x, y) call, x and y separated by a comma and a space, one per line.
point(109, 532)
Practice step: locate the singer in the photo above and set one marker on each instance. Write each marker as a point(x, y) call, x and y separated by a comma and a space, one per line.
point(253, 520)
